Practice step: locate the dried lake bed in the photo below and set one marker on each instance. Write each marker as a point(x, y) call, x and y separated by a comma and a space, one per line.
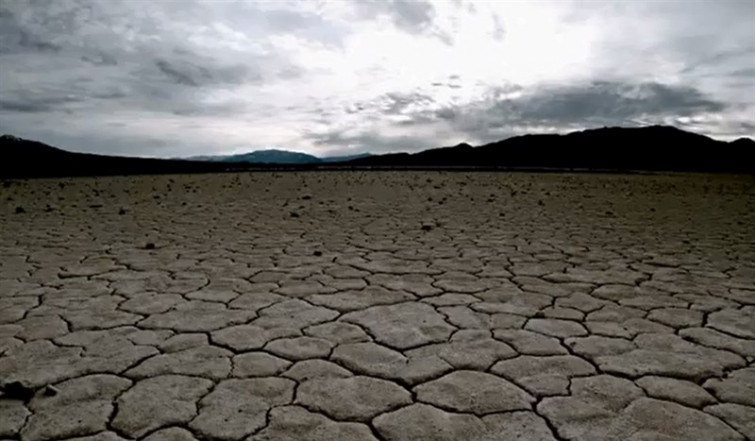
point(378, 306)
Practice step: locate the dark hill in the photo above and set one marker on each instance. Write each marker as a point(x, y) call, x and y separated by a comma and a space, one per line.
point(24, 158)
point(659, 148)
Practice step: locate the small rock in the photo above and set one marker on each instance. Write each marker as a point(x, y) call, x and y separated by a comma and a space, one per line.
point(149, 246)
point(121, 212)
point(317, 253)
point(20, 210)
point(51, 391)
point(294, 214)
point(426, 227)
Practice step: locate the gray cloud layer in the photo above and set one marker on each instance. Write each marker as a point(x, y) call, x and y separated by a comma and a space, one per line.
point(163, 80)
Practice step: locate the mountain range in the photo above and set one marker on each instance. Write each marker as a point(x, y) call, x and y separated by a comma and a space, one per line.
point(652, 148)
point(274, 156)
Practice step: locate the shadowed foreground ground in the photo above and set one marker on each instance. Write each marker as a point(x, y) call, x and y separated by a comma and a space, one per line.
point(383, 305)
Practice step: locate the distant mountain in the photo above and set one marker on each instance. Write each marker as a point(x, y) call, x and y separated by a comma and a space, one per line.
point(331, 159)
point(661, 148)
point(654, 148)
point(274, 156)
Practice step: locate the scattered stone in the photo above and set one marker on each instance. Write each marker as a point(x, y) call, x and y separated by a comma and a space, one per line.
point(149, 246)
point(50, 390)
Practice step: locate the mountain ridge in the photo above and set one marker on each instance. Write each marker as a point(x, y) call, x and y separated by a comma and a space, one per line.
point(276, 156)
point(650, 148)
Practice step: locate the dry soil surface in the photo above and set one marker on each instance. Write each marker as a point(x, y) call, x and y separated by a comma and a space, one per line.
point(378, 306)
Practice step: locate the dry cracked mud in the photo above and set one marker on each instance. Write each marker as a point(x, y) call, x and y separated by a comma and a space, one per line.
point(378, 306)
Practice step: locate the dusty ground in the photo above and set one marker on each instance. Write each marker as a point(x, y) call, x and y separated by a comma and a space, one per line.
point(390, 306)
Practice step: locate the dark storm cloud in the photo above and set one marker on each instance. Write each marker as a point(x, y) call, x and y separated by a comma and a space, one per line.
point(609, 103)
point(613, 100)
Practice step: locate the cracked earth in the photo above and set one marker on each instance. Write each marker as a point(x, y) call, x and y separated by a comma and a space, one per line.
point(378, 306)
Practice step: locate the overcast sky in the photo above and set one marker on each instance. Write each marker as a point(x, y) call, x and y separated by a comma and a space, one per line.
point(181, 78)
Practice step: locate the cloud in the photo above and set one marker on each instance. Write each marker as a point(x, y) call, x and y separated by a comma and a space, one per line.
point(116, 77)
point(411, 16)
point(337, 143)
point(610, 101)
point(195, 72)
point(512, 109)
